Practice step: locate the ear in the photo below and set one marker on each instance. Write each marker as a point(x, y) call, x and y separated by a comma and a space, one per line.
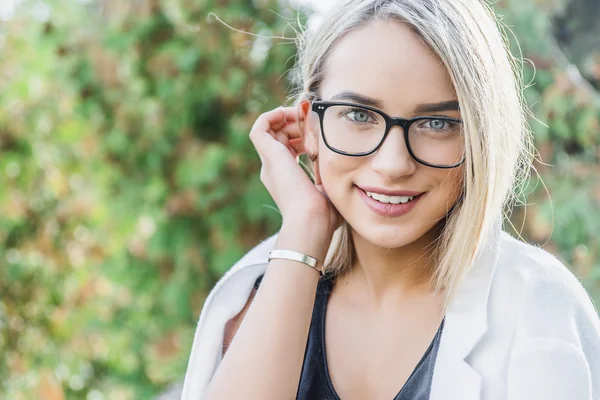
point(310, 126)
point(311, 129)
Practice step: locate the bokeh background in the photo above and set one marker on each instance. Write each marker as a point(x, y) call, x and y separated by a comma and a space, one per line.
point(128, 184)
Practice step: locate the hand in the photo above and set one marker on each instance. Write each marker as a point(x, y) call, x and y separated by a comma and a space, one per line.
point(279, 139)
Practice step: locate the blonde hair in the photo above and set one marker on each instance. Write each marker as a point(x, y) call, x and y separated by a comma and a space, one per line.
point(467, 37)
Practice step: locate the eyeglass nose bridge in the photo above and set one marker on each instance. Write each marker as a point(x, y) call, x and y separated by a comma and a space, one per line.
point(405, 124)
point(396, 121)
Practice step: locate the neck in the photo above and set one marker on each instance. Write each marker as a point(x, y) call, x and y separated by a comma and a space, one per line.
point(399, 273)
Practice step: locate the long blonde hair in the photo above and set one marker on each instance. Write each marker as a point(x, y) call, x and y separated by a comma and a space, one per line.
point(467, 37)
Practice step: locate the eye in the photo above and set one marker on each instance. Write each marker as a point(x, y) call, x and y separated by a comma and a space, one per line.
point(437, 124)
point(358, 116)
point(434, 124)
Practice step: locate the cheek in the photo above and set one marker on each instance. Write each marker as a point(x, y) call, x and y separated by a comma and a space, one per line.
point(451, 186)
point(336, 171)
point(458, 181)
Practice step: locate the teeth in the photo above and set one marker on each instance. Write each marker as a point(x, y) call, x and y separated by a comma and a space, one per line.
point(390, 199)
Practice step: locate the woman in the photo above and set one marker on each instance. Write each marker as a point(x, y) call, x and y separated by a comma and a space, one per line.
point(413, 118)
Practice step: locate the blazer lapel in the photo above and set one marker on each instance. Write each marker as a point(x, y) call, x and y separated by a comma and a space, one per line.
point(465, 325)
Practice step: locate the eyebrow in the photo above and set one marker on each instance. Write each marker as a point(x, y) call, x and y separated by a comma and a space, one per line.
point(451, 105)
point(358, 98)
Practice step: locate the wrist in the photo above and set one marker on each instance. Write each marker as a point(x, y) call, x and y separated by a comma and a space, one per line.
point(305, 238)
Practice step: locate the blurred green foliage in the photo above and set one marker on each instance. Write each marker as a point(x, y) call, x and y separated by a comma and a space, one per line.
point(128, 183)
point(563, 212)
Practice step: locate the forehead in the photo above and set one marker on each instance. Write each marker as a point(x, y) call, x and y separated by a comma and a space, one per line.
point(387, 61)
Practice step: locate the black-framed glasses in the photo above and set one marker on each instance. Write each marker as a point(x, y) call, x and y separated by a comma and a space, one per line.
point(356, 130)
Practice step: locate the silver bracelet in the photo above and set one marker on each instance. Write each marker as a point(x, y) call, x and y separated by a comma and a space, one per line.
point(295, 256)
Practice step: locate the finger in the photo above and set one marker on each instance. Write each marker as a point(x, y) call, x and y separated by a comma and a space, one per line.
point(278, 118)
point(281, 137)
point(268, 120)
point(295, 147)
point(298, 145)
point(291, 132)
point(275, 121)
point(281, 124)
point(291, 135)
point(291, 117)
point(261, 140)
point(260, 132)
point(267, 146)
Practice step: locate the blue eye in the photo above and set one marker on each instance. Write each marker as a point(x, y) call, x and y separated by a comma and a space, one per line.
point(437, 124)
point(359, 116)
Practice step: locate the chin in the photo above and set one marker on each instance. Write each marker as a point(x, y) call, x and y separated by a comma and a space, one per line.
point(389, 237)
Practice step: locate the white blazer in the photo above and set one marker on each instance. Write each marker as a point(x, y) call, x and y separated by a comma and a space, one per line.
point(521, 327)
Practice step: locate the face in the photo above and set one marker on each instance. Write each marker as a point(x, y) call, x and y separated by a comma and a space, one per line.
point(387, 66)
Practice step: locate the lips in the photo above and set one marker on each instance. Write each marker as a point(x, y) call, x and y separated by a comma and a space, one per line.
point(390, 209)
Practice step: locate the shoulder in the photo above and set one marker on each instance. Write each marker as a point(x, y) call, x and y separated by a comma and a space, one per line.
point(544, 289)
point(552, 320)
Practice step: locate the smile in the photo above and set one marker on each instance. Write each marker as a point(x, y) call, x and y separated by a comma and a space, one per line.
point(389, 205)
point(382, 198)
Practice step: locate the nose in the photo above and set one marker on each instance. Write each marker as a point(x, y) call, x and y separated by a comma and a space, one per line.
point(392, 160)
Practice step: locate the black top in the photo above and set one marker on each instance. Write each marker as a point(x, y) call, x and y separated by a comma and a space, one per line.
point(315, 382)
